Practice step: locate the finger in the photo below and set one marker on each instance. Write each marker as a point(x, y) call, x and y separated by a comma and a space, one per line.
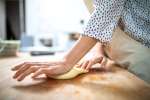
point(84, 65)
point(89, 65)
point(78, 65)
point(103, 62)
point(33, 63)
point(27, 72)
point(94, 61)
point(39, 72)
point(21, 70)
point(17, 66)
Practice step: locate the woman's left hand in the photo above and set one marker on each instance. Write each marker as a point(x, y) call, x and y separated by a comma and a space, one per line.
point(38, 68)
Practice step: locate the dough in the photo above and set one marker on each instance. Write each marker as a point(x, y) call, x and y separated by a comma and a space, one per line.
point(71, 74)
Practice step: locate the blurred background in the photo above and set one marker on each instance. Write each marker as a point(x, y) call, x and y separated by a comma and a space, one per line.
point(41, 25)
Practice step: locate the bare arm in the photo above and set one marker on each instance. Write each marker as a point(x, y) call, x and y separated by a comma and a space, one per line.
point(83, 45)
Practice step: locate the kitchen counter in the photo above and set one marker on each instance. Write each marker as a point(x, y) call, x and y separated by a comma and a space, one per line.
point(117, 84)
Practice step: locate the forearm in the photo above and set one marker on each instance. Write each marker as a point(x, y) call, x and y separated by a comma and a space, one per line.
point(83, 45)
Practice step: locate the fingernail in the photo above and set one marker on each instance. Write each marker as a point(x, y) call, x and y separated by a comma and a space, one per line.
point(14, 76)
point(12, 69)
point(32, 76)
point(19, 79)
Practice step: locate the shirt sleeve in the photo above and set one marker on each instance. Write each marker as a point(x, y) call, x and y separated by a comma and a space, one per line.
point(104, 19)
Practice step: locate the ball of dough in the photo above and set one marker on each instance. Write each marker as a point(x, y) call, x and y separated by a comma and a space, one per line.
point(71, 74)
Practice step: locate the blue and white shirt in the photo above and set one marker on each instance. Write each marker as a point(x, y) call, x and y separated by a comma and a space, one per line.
point(135, 15)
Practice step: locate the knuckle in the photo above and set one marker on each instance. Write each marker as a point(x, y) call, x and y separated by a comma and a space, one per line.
point(85, 62)
point(27, 63)
point(88, 60)
point(43, 70)
point(33, 68)
point(52, 69)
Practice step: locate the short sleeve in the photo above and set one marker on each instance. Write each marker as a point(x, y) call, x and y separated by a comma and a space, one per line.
point(104, 19)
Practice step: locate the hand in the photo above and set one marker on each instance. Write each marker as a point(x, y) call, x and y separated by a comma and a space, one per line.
point(38, 68)
point(87, 64)
point(98, 57)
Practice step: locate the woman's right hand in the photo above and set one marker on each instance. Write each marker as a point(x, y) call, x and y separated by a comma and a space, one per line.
point(87, 64)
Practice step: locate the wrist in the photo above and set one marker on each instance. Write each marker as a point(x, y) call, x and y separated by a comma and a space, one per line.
point(67, 63)
point(98, 49)
point(79, 50)
point(98, 54)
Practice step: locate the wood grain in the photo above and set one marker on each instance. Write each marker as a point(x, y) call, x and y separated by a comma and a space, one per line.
point(117, 84)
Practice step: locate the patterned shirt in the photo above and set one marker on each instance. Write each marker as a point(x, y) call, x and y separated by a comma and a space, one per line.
point(135, 15)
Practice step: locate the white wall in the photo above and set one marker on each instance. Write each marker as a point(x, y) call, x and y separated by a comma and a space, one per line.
point(51, 16)
point(2, 19)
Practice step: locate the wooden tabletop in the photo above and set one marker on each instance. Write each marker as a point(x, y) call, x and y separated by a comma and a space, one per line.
point(117, 84)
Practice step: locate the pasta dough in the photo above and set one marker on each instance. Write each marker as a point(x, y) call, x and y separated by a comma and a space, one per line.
point(71, 74)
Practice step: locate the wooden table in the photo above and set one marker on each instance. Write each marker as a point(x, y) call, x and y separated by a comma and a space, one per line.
point(117, 84)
